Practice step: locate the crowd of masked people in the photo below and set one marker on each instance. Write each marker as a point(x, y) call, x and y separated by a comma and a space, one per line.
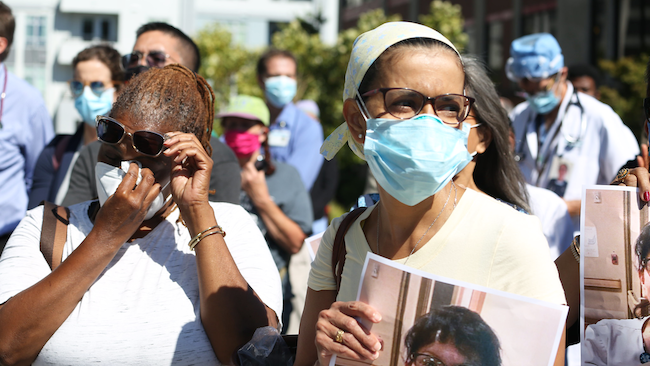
point(147, 237)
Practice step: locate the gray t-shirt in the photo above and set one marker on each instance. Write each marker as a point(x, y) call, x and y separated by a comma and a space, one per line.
point(225, 179)
point(289, 193)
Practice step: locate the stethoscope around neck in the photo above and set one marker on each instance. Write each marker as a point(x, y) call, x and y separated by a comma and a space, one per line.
point(572, 141)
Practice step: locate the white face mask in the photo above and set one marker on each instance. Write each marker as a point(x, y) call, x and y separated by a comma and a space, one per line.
point(108, 178)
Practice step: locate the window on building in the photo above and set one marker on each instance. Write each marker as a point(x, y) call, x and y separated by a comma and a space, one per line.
point(36, 51)
point(542, 21)
point(634, 28)
point(275, 27)
point(36, 36)
point(105, 30)
point(495, 45)
point(87, 31)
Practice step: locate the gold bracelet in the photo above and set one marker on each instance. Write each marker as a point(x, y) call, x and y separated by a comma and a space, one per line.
point(575, 248)
point(205, 233)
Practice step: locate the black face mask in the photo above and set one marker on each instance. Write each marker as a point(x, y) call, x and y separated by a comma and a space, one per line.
point(133, 71)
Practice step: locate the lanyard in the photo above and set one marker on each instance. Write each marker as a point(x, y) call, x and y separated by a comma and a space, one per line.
point(572, 141)
point(4, 94)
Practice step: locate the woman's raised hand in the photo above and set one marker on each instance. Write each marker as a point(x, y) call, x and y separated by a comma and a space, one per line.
point(123, 212)
point(339, 333)
point(190, 171)
point(637, 177)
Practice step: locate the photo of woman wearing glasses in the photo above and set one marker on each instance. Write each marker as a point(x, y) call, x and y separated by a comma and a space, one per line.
point(449, 336)
point(622, 342)
point(147, 273)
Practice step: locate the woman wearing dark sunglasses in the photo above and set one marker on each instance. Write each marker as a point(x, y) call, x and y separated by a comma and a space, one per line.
point(405, 107)
point(96, 81)
point(139, 284)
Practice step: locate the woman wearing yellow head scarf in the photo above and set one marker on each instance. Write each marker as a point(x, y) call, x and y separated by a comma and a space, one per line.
point(404, 107)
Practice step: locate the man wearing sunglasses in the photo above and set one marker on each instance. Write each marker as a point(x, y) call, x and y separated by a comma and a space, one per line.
point(559, 129)
point(157, 45)
point(25, 128)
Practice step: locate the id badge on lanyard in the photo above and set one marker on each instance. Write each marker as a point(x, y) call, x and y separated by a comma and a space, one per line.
point(280, 137)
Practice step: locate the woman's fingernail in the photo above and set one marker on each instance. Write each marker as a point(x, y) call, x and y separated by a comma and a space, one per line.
point(646, 196)
point(375, 356)
point(377, 346)
point(376, 317)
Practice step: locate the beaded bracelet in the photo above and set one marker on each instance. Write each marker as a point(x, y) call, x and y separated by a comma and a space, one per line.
point(205, 233)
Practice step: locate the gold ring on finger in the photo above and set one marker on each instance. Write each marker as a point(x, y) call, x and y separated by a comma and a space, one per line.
point(620, 177)
point(339, 336)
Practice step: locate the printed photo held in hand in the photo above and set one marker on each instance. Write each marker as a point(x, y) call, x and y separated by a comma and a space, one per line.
point(431, 320)
point(615, 251)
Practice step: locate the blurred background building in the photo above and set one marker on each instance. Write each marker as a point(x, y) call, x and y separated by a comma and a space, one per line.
point(49, 33)
point(587, 30)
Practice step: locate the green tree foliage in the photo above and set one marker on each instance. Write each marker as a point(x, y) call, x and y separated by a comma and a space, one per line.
point(447, 19)
point(626, 98)
point(230, 69)
point(321, 74)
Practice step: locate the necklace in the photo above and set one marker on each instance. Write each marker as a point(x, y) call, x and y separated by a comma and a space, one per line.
point(428, 228)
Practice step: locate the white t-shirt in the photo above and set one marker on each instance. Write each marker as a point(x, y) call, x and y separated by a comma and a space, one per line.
point(144, 307)
point(605, 144)
point(484, 242)
point(554, 215)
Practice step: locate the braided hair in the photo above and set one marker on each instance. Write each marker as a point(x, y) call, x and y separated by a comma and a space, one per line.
point(173, 97)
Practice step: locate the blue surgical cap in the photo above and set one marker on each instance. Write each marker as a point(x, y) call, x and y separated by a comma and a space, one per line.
point(536, 56)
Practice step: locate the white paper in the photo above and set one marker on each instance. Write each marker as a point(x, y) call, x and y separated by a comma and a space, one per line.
point(509, 315)
point(312, 244)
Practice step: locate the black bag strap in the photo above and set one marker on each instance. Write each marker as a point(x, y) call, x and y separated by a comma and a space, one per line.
point(338, 248)
point(54, 232)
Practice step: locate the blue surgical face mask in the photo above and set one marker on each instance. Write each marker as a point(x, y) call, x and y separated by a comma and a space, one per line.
point(280, 90)
point(90, 105)
point(415, 158)
point(543, 102)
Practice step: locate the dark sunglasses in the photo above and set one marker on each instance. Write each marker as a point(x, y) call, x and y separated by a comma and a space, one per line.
point(153, 59)
point(404, 103)
point(145, 142)
point(77, 87)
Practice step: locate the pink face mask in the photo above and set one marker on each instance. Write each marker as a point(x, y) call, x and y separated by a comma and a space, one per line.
point(242, 143)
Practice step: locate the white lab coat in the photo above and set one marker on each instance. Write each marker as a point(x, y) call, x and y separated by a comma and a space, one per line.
point(554, 216)
point(613, 342)
point(604, 145)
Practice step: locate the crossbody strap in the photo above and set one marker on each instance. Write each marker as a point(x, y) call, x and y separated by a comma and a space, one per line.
point(54, 232)
point(338, 248)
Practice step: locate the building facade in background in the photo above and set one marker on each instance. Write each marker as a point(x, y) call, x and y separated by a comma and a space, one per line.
point(587, 30)
point(49, 33)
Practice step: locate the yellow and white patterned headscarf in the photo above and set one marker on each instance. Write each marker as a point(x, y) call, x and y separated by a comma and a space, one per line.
point(366, 49)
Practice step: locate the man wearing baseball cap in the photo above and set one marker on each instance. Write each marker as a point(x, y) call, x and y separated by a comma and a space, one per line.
point(564, 139)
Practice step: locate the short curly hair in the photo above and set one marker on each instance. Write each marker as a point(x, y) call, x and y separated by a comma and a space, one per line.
point(457, 325)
